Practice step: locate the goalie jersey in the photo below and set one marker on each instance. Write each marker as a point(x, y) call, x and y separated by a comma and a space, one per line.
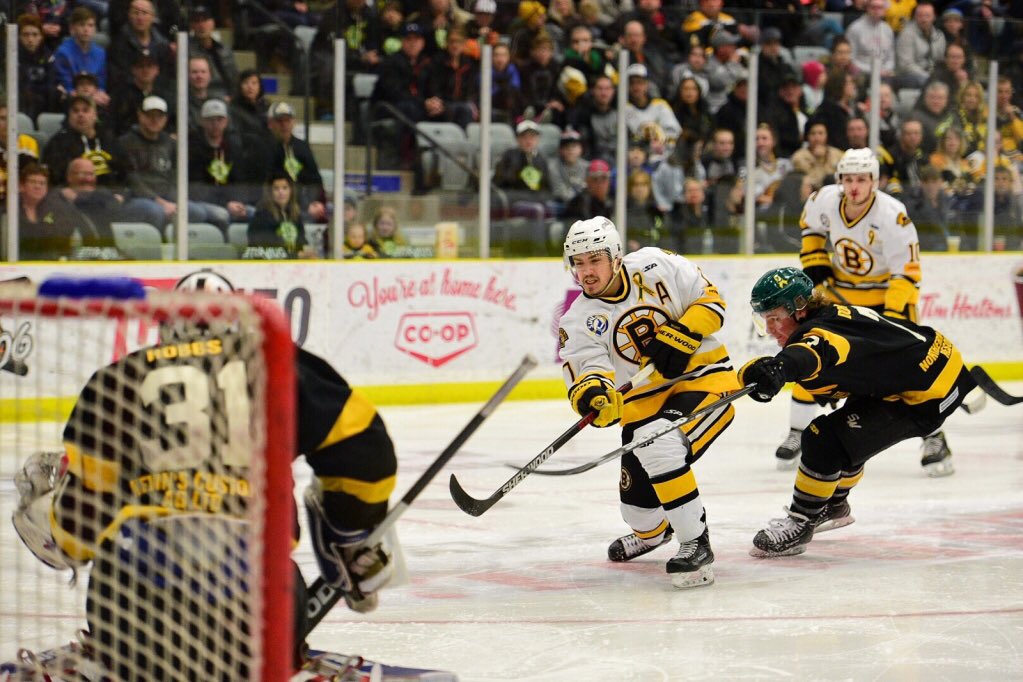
point(875, 259)
point(167, 430)
point(605, 336)
point(844, 351)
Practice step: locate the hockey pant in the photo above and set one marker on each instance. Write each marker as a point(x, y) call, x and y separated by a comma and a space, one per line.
point(837, 445)
point(657, 485)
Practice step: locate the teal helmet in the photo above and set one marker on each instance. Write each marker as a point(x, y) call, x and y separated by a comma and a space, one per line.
point(782, 287)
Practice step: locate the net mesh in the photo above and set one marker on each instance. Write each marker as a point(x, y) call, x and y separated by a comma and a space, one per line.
point(164, 448)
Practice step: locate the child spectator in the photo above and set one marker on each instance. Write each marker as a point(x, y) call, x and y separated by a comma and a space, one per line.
point(54, 17)
point(506, 90)
point(387, 238)
point(276, 229)
point(480, 29)
point(79, 52)
point(356, 246)
point(36, 79)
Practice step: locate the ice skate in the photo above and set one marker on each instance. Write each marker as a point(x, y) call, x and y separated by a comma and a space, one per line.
point(787, 454)
point(783, 537)
point(691, 565)
point(835, 515)
point(628, 547)
point(936, 458)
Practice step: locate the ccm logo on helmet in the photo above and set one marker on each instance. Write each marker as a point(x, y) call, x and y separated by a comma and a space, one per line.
point(436, 338)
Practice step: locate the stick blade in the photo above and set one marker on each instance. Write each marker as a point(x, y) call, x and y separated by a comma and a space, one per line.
point(988, 385)
point(467, 503)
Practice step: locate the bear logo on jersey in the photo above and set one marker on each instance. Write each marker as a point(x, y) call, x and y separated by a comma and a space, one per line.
point(597, 324)
point(625, 482)
point(854, 258)
point(634, 330)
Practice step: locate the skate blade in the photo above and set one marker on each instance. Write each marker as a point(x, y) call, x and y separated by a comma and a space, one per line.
point(939, 469)
point(786, 464)
point(698, 578)
point(834, 523)
point(763, 554)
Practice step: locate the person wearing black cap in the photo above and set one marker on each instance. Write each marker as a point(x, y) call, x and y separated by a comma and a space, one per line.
point(403, 84)
point(773, 67)
point(140, 38)
point(201, 42)
point(145, 82)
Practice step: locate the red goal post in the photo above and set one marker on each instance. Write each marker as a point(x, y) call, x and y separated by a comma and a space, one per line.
point(235, 497)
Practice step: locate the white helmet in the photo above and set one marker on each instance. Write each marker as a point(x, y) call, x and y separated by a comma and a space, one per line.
point(595, 234)
point(205, 281)
point(858, 161)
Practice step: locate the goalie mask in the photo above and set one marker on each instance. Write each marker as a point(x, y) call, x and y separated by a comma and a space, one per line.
point(588, 236)
point(206, 281)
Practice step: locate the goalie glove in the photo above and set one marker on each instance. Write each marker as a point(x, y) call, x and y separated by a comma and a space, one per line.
point(595, 394)
point(767, 373)
point(346, 563)
point(671, 348)
point(39, 476)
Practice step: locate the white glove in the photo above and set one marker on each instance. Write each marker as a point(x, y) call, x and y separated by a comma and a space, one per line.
point(38, 476)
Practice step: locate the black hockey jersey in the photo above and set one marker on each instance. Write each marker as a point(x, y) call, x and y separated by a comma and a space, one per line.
point(842, 351)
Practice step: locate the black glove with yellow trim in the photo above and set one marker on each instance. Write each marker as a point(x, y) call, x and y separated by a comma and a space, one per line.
point(671, 348)
point(767, 373)
point(594, 394)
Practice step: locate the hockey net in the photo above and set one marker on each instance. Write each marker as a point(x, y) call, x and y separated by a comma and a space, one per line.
point(178, 495)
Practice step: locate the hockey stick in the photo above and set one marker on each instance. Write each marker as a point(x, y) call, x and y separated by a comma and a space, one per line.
point(474, 507)
point(322, 596)
point(615, 454)
point(988, 385)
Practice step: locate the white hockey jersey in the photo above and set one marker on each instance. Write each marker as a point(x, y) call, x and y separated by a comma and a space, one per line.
point(876, 258)
point(604, 336)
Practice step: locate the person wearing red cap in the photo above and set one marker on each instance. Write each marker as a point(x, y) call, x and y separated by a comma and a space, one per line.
point(596, 198)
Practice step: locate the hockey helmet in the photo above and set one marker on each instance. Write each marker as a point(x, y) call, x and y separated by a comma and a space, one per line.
point(593, 234)
point(789, 288)
point(858, 161)
point(205, 281)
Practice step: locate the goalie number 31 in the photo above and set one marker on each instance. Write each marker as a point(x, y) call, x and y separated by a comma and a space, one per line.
point(194, 413)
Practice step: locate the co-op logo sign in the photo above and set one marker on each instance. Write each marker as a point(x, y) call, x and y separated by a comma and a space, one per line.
point(436, 338)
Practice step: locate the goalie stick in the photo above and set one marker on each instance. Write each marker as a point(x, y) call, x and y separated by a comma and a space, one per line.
point(474, 507)
point(322, 595)
point(615, 454)
point(988, 385)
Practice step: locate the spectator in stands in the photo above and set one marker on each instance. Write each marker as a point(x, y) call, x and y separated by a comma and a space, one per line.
point(583, 56)
point(390, 26)
point(561, 17)
point(96, 206)
point(202, 42)
point(87, 85)
point(152, 167)
point(666, 174)
point(531, 20)
point(82, 135)
point(814, 79)
point(634, 41)
point(857, 133)
point(437, 17)
point(949, 159)
point(145, 79)
point(79, 52)
point(54, 15)
point(46, 222)
point(642, 108)
point(28, 152)
point(596, 118)
point(294, 156)
point(840, 59)
point(507, 97)
point(839, 105)
point(645, 221)
point(168, 17)
point(890, 120)
point(930, 208)
point(568, 170)
point(402, 84)
point(953, 26)
point(596, 199)
point(818, 159)
point(897, 13)
point(544, 102)
point(36, 78)
point(249, 107)
point(481, 29)
point(774, 70)
point(525, 176)
point(692, 113)
point(199, 77)
point(356, 245)
point(952, 69)
point(691, 218)
point(785, 115)
point(719, 160)
point(659, 33)
point(978, 163)
point(769, 169)
point(1009, 119)
point(222, 169)
point(276, 230)
point(732, 115)
point(1008, 214)
point(919, 47)
point(723, 69)
point(821, 28)
point(452, 86)
point(294, 13)
point(141, 38)
point(694, 67)
point(870, 36)
point(700, 25)
point(386, 236)
point(971, 117)
point(935, 112)
point(983, 24)
point(360, 27)
point(901, 164)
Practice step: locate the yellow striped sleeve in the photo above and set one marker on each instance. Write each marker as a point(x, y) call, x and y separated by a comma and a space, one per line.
point(675, 488)
point(370, 492)
point(704, 316)
point(355, 417)
point(812, 486)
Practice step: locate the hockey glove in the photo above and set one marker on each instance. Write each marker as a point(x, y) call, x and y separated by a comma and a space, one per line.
point(345, 562)
point(594, 394)
point(768, 373)
point(671, 348)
